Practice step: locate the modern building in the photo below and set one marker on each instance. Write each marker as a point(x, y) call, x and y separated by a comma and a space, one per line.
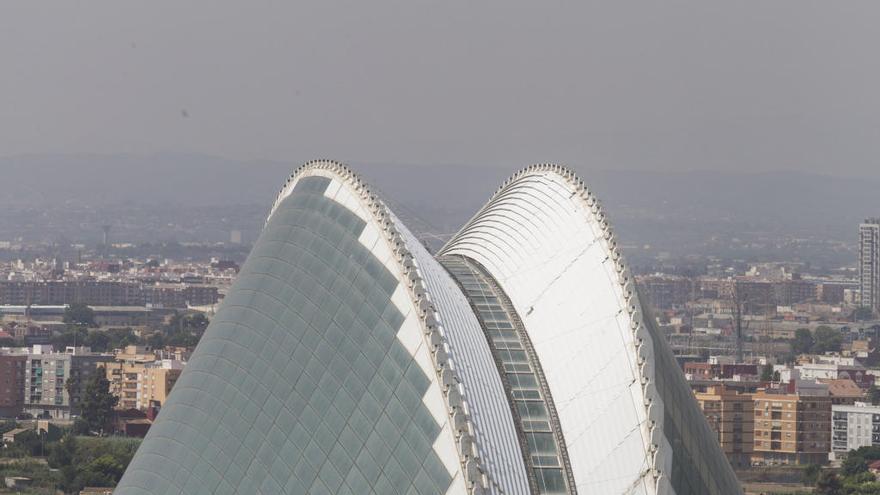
point(854, 426)
point(47, 373)
point(347, 359)
point(731, 415)
point(792, 427)
point(869, 264)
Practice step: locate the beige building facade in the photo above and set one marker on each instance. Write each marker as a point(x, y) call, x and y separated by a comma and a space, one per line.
point(792, 428)
point(731, 416)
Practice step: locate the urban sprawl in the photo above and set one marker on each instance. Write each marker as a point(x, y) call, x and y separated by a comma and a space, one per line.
point(784, 363)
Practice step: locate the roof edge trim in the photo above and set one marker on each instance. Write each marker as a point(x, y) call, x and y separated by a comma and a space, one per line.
point(456, 403)
point(652, 402)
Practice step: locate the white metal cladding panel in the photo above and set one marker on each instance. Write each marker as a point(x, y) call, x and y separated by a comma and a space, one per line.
point(495, 433)
point(547, 253)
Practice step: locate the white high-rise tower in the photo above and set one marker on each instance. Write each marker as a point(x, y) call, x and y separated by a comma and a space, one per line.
point(869, 264)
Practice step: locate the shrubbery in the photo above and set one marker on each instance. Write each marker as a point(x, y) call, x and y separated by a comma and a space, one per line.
point(90, 461)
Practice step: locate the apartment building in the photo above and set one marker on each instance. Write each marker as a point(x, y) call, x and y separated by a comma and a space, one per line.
point(123, 378)
point(46, 393)
point(181, 295)
point(139, 379)
point(853, 426)
point(11, 383)
point(105, 293)
point(869, 264)
point(156, 382)
point(793, 424)
point(731, 416)
point(60, 292)
point(666, 291)
point(124, 371)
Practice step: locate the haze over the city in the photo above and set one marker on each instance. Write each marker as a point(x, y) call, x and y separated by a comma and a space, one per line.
point(328, 247)
point(671, 86)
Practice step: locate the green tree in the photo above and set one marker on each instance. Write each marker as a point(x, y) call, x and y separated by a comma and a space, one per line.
point(873, 394)
point(194, 323)
point(70, 481)
point(184, 330)
point(97, 402)
point(98, 341)
point(90, 461)
point(828, 483)
point(109, 466)
point(62, 452)
point(803, 341)
point(811, 474)
point(827, 340)
point(182, 339)
point(854, 464)
point(121, 337)
point(8, 425)
point(767, 373)
point(198, 323)
point(73, 336)
point(156, 340)
point(863, 313)
point(80, 427)
point(79, 314)
point(29, 443)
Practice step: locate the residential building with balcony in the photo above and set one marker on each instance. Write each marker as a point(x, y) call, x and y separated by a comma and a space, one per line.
point(731, 415)
point(853, 426)
point(140, 385)
point(46, 392)
point(792, 426)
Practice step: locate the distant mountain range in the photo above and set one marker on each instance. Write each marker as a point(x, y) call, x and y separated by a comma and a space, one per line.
point(645, 205)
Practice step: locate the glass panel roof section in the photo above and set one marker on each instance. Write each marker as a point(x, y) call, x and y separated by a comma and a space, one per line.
point(300, 384)
point(527, 393)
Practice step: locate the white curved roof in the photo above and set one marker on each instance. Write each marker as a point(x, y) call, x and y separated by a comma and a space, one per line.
point(420, 333)
point(556, 275)
point(544, 239)
point(494, 432)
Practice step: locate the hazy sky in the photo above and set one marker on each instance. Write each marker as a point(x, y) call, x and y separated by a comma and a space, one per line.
point(737, 85)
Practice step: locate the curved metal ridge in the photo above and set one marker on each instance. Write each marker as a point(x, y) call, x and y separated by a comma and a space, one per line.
point(629, 298)
point(457, 408)
point(534, 363)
